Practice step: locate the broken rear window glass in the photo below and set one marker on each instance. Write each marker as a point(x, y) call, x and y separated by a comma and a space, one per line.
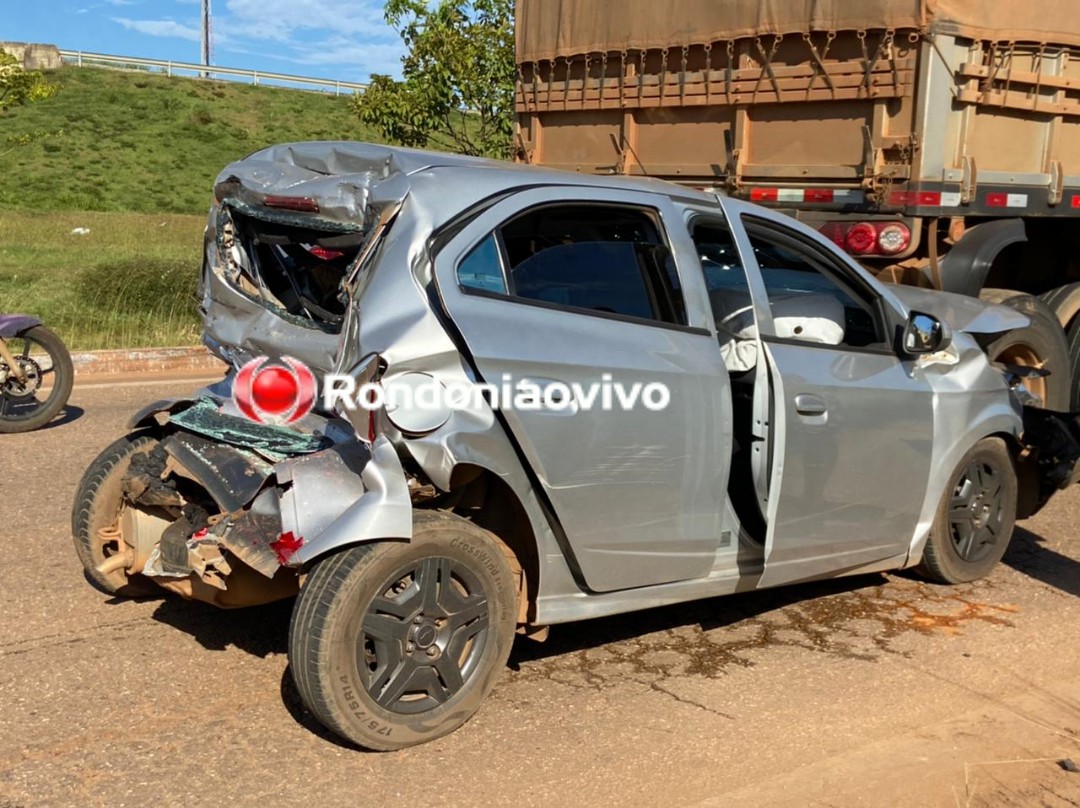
point(297, 269)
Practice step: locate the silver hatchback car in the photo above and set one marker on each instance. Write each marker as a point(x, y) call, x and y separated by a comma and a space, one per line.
point(637, 394)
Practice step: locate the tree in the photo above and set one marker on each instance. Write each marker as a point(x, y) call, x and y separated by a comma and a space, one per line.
point(457, 87)
point(18, 86)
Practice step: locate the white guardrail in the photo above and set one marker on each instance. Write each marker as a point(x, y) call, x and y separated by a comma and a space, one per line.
point(170, 68)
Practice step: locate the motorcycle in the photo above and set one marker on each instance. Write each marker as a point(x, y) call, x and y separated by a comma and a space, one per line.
point(35, 373)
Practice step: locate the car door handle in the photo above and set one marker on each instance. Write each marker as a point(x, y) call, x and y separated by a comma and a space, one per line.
point(807, 404)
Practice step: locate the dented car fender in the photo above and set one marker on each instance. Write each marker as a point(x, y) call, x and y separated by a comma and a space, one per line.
point(335, 499)
point(968, 407)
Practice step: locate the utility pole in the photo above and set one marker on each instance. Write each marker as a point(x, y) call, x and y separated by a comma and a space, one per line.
point(206, 41)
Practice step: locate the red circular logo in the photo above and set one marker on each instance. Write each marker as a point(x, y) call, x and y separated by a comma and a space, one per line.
point(274, 393)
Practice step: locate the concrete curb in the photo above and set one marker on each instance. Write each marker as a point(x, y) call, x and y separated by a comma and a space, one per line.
point(138, 361)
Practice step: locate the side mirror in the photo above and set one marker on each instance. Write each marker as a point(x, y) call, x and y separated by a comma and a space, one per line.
point(925, 334)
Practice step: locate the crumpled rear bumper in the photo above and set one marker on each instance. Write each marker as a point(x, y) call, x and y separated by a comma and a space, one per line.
point(284, 498)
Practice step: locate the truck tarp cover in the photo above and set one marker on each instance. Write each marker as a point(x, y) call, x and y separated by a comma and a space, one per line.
point(547, 29)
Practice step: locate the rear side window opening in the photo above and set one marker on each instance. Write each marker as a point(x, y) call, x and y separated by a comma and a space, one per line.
point(601, 259)
point(295, 269)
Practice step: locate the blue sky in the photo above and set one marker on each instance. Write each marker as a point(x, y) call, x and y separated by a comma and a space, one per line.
point(337, 39)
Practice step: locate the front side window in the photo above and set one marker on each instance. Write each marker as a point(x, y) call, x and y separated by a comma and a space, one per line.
point(810, 301)
point(599, 259)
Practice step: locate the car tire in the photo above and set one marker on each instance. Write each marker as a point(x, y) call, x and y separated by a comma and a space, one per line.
point(97, 505)
point(975, 518)
point(397, 643)
point(1041, 344)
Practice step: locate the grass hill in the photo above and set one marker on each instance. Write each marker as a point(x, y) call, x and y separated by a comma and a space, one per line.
point(134, 167)
point(144, 142)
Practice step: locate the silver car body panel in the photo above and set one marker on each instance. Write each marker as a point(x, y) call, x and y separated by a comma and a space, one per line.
point(632, 514)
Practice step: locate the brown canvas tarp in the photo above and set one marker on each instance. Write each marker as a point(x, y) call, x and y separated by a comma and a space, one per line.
point(555, 28)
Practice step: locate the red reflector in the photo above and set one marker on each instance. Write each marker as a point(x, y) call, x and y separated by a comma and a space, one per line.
point(925, 198)
point(763, 194)
point(818, 195)
point(1076, 201)
point(997, 200)
point(861, 238)
point(299, 203)
point(835, 231)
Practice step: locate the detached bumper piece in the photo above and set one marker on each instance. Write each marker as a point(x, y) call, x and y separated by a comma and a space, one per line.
point(1050, 461)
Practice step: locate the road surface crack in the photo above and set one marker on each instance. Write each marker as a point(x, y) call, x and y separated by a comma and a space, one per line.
point(658, 687)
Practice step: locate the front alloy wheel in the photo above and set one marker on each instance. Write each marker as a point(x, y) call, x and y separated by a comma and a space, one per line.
point(975, 519)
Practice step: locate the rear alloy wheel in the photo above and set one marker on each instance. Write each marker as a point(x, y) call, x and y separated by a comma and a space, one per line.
point(397, 643)
point(975, 519)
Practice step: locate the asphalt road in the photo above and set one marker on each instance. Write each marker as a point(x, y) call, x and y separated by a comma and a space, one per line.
point(875, 690)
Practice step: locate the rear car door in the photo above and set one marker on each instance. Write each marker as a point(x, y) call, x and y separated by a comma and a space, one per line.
point(587, 287)
point(853, 431)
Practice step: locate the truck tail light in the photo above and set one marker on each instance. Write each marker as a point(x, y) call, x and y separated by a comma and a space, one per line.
point(861, 239)
point(869, 238)
point(893, 238)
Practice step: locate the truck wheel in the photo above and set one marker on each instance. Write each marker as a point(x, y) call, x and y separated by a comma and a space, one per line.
point(397, 643)
point(1041, 344)
point(97, 506)
point(1064, 301)
point(974, 521)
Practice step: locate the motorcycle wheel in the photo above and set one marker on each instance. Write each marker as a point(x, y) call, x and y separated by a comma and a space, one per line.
point(32, 403)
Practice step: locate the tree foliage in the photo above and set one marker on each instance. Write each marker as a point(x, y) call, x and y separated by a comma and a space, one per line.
point(457, 86)
point(19, 86)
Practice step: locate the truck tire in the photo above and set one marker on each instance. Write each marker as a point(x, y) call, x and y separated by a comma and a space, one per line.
point(97, 504)
point(1041, 344)
point(1065, 303)
point(975, 518)
point(397, 643)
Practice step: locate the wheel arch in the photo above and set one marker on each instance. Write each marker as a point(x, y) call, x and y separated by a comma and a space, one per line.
point(489, 501)
point(995, 422)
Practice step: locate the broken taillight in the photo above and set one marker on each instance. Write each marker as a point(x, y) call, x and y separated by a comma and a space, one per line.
point(324, 254)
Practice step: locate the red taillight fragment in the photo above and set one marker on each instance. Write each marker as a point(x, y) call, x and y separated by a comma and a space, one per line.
point(302, 204)
point(325, 254)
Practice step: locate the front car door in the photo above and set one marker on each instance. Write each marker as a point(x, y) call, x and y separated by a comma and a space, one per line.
point(577, 286)
point(853, 427)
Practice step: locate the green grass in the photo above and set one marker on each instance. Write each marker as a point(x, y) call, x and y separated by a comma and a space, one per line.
point(129, 283)
point(149, 143)
point(135, 164)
